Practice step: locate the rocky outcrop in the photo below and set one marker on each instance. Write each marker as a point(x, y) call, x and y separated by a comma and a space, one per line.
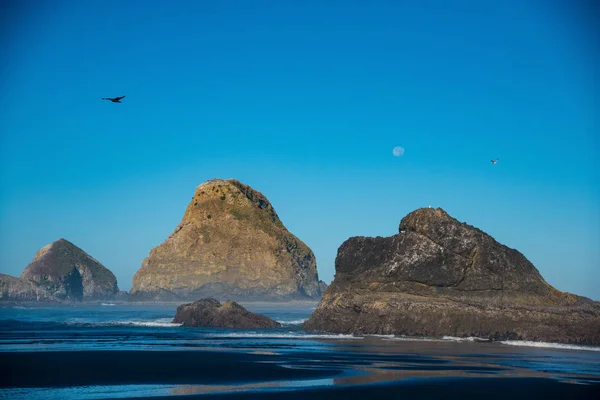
point(17, 289)
point(121, 296)
point(210, 313)
point(230, 244)
point(65, 272)
point(440, 277)
point(322, 287)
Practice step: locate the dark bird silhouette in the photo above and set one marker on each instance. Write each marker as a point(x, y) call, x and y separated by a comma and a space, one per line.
point(114, 99)
point(494, 161)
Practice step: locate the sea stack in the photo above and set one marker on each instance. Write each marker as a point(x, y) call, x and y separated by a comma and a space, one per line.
point(66, 272)
point(441, 277)
point(230, 244)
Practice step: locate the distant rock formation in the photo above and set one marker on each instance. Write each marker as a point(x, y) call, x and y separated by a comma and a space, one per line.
point(440, 277)
point(17, 289)
point(122, 296)
point(230, 244)
point(61, 271)
point(210, 313)
point(322, 287)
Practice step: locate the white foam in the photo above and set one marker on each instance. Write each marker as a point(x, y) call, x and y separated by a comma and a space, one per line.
point(382, 336)
point(294, 322)
point(108, 304)
point(464, 339)
point(528, 343)
point(161, 323)
point(412, 339)
point(289, 335)
point(158, 323)
point(428, 339)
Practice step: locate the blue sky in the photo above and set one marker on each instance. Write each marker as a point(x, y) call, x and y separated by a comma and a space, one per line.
point(304, 102)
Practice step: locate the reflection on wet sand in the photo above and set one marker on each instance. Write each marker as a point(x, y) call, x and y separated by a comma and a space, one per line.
point(377, 360)
point(250, 387)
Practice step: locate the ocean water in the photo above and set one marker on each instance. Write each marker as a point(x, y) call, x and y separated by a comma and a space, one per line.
point(134, 351)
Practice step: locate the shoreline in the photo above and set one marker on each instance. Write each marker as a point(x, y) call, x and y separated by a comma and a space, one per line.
point(432, 388)
point(265, 307)
point(231, 374)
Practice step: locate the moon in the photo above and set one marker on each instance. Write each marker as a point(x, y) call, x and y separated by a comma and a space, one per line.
point(398, 151)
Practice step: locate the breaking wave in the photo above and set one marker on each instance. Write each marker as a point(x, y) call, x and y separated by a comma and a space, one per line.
point(294, 322)
point(408, 338)
point(157, 323)
point(528, 343)
point(470, 339)
point(289, 335)
point(161, 322)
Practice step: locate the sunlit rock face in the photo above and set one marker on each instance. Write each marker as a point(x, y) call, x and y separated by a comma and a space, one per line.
point(230, 244)
point(441, 277)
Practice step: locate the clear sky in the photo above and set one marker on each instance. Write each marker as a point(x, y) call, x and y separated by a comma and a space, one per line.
point(304, 101)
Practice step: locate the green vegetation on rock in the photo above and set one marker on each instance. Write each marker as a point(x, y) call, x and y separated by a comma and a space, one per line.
point(231, 244)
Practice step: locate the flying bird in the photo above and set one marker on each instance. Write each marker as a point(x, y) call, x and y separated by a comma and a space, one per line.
point(494, 161)
point(114, 99)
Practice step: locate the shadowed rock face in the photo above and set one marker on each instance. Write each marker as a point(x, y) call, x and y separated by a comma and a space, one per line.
point(68, 273)
point(230, 244)
point(441, 277)
point(210, 313)
point(322, 287)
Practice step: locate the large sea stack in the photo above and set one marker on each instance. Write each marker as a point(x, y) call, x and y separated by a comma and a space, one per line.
point(230, 244)
point(441, 277)
point(66, 272)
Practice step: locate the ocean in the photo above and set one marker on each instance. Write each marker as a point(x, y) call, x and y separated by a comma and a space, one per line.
point(134, 351)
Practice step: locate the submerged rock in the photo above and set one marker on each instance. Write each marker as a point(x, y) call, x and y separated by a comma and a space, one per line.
point(441, 277)
point(210, 313)
point(230, 244)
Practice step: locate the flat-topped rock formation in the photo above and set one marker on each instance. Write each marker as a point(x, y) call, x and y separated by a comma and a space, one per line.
point(210, 313)
point(230, 244)
point(441, 277)
point(60, 271)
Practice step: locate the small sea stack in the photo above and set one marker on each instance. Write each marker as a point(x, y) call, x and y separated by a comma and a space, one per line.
point(210, 313)
point(60, 271)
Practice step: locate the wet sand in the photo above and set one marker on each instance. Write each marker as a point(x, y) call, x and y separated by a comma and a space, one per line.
point(373, 367)
point(444, 388)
